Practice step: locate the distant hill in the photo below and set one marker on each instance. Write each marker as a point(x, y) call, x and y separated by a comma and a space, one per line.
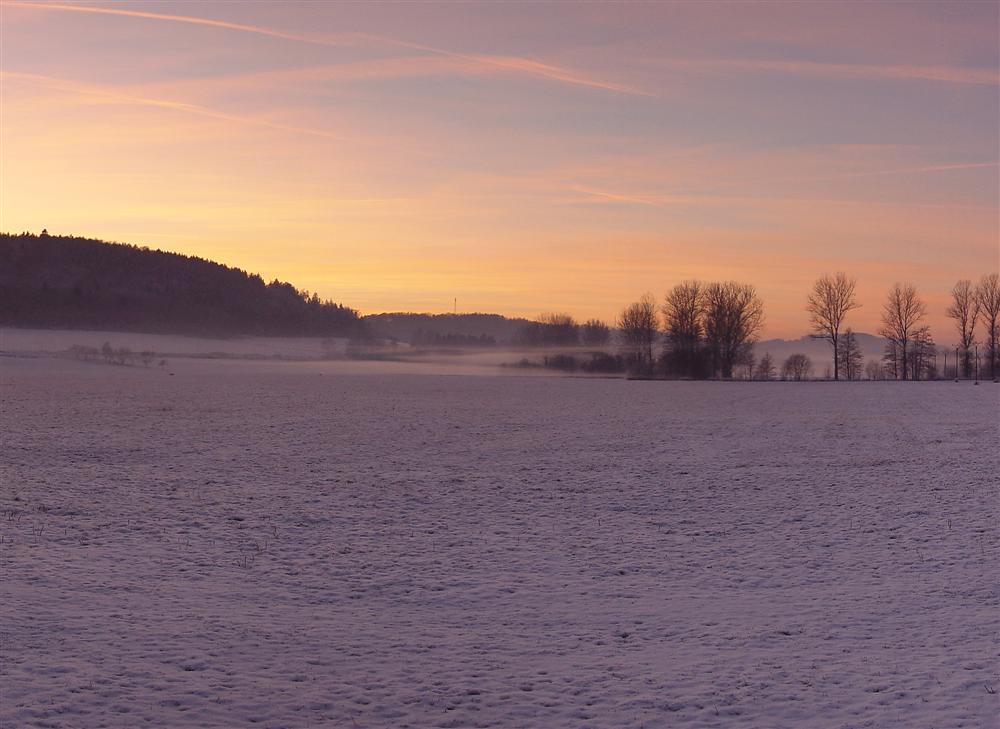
point(64, 282)
point(818, 350)
point(445, 328)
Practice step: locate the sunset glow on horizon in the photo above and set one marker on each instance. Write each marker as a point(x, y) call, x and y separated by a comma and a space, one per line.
point(519, 158)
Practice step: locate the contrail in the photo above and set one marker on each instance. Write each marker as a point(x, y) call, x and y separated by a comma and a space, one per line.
point(118, 96)
point(174, 18)
point(516, 64)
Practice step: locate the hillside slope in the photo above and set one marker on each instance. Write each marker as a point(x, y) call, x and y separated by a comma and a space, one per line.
point(78, 283)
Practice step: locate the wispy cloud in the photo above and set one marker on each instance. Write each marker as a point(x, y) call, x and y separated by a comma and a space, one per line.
point(736, 201)
point(515, 64)
point(116, 96)
point(396, 67)
point(948, 74)
point(190, 19)
point(556, 73)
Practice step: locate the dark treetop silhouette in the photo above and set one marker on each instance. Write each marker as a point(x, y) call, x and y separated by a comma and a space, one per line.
point(76, 283)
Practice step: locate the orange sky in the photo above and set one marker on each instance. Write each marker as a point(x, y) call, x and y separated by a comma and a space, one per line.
point(521, 158)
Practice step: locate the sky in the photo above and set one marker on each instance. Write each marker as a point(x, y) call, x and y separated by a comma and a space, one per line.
point(517, 157)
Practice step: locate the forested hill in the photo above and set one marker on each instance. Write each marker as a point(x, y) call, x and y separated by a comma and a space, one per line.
point(461, 329)
point(63, 282)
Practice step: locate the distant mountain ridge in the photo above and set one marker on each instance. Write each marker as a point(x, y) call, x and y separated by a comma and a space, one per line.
point(65, 282)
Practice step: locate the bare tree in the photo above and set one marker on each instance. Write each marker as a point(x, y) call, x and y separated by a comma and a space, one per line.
point(946, 371)
point(595, 333)
point(558, 329)
point(892, 360)
point(874, 370)
point(964, 310)
point(851, 359)
point(746, 364)
point(683, 314)
point(921, 357)
point(639, 328)
point(765, 368)
point(901, 315)
point(988, 296)
point(734, 315)
point(831, 299)
point(797, 367)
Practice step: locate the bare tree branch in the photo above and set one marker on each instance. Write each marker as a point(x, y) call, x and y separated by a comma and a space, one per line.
point(988, 297)
point(639, 329)
point(683, 315)
point(830, 301)
point(901, 315)
point(734, 315)
point(964, 310)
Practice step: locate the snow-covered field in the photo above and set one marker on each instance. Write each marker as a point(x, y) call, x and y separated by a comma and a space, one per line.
point(59, 340)
point(299, 545)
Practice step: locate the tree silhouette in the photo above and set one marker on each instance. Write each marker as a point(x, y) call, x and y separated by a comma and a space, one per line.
point(683, 318)
point(988, 296)
point(921, 354)
point(829, 302)
point(734, 315)
point(851, 359)
point(797, 367)
point(638, 325)
point(765, 368)
point(874, 370)
point(558, 329)
point(964, 309)
point(595, 333)
point(901, 316)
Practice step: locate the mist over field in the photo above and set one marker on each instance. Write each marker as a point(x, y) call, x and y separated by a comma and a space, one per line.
point(49, 342)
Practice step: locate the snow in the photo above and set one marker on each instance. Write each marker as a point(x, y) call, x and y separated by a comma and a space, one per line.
point(298, 545)
point(59, 340)
point(450, 360)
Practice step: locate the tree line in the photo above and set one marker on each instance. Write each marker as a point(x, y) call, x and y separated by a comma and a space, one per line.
point(708, 330)
point(114, 355)
point(911, 353)
point(435, 339)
